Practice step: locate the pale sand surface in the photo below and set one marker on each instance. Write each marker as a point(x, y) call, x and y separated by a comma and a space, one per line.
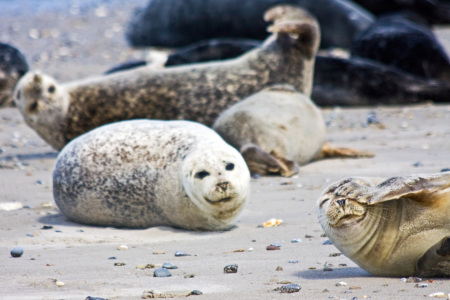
point(416, 139)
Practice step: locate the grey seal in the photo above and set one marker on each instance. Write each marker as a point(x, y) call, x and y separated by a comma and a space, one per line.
point(278, 129)
point(199, 92)
point(13, 65)
point(143, 173)
point(391, 227)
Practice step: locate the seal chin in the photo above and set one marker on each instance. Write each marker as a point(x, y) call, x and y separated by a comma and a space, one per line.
point(223, 200)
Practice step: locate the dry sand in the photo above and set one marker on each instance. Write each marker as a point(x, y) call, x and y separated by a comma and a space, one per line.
point(79, 40)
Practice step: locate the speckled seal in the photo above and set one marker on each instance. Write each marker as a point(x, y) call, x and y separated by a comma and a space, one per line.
point(394, 227)
point(61, 112)
point(13, 65)
point(143, 173)
point(275, 129)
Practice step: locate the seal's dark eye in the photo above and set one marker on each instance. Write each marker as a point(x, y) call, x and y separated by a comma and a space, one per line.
point(201, 175)
point(33, 106)
point(51, 89)
point(229, 167)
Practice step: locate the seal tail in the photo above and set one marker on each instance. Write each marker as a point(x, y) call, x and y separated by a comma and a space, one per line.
point(296, 22)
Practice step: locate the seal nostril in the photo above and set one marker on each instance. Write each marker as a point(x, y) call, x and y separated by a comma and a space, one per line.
point(223, 185)
point(341, 202)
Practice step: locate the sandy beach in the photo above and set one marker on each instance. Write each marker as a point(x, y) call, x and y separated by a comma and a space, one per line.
point(65, 260)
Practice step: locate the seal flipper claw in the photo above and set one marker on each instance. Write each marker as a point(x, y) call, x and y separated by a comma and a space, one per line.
point(436, 261)
point(261, 162)
point(330, 151)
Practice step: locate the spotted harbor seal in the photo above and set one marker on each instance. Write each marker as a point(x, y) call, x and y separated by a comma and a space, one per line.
point(61, 112)
point(144, 173)
point(13, 65)
point(394, 227)
point(276, 130)
point(174, 23)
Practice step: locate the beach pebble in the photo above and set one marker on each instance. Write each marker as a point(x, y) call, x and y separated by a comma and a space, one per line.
point(181, 253)
point(189, 276)
point(9, 206)
point(276, 245)
point(59, 283)
point(119, 264)
point(272, 247)
point(230, 269)
point(293, 261)
point(196, 293)
point(296, 241)
point(17, 252)
point(159, 252)
point(46, 227)
point(290, 288)
point(94, 298)
point(421, 285)
point(122, 247)
point(327, 242)
point(341, 283)
point(279, 268)
point(169, 266)
point(161, 272)
point(437, 295)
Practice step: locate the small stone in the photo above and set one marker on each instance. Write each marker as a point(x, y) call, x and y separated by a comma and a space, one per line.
point(195, 293)
point(181, 253)
point(335, 254)
point(307, 236)
point(122, 247)
point(161, 272)
point(341, 283)
point(9, 206)
point(290, 288)
point(112, 257)
point(279, 268)
point(119, 264)
point(250, 249)
point(256, 176)
point(293, 261)
point(272, 248)
point(414, 279)
point(325, 291)
point(437, 295)
point(327, 242)
point(189, 276)
point(421, 285)
point(94, 298)
point(169, 266)
point(418, 164)
point(58, 231)
point(40, 182)
point(342, 265)
point(60, 283)
point(30, 235)
point(17, 252)
point(296, 241)
point(354, 288)
point(276, 245)
point(33, 33)
point(80, 230)
point(159, 252)
point(230, 269)
point(445, 170)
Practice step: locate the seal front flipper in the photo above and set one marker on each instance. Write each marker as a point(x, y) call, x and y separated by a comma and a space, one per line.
point(436, 261)
point(263, 163)
point(330, 151)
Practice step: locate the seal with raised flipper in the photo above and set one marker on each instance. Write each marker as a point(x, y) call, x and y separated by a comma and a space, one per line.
point(143, 173)
point(278, 129)
point(391, 227)
point(199, 92)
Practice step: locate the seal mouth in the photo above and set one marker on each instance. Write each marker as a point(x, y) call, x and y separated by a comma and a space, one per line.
point(223, 200)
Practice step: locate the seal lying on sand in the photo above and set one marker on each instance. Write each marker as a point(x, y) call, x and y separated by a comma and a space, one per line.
point(174, 23)
point(401, 43)
point(143, 173)
point(12, 66)
point(61, 112)
point(276, 130)
point(394, 227)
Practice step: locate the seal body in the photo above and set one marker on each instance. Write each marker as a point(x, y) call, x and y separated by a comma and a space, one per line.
point(394, 227)
point(174, 23)
point(277, 123)
point(13, 65)
point(401, 43)
point(144, 173)
point(195, 92)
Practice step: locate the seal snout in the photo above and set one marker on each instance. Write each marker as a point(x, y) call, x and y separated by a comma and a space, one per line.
point(222, 186)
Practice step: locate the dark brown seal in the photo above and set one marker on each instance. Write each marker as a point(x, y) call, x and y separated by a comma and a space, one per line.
point(61, 112)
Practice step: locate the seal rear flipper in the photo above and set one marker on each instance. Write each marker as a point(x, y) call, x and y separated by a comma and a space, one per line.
point(263, 163)
point(330, 151)
point(436, 261)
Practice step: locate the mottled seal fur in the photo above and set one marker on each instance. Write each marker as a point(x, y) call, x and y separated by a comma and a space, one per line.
point(401, 43)
point(394, 227)
point(61, 112)
point(13, 65)
point(276, 130)
point(144, 173)
point(174, 23)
